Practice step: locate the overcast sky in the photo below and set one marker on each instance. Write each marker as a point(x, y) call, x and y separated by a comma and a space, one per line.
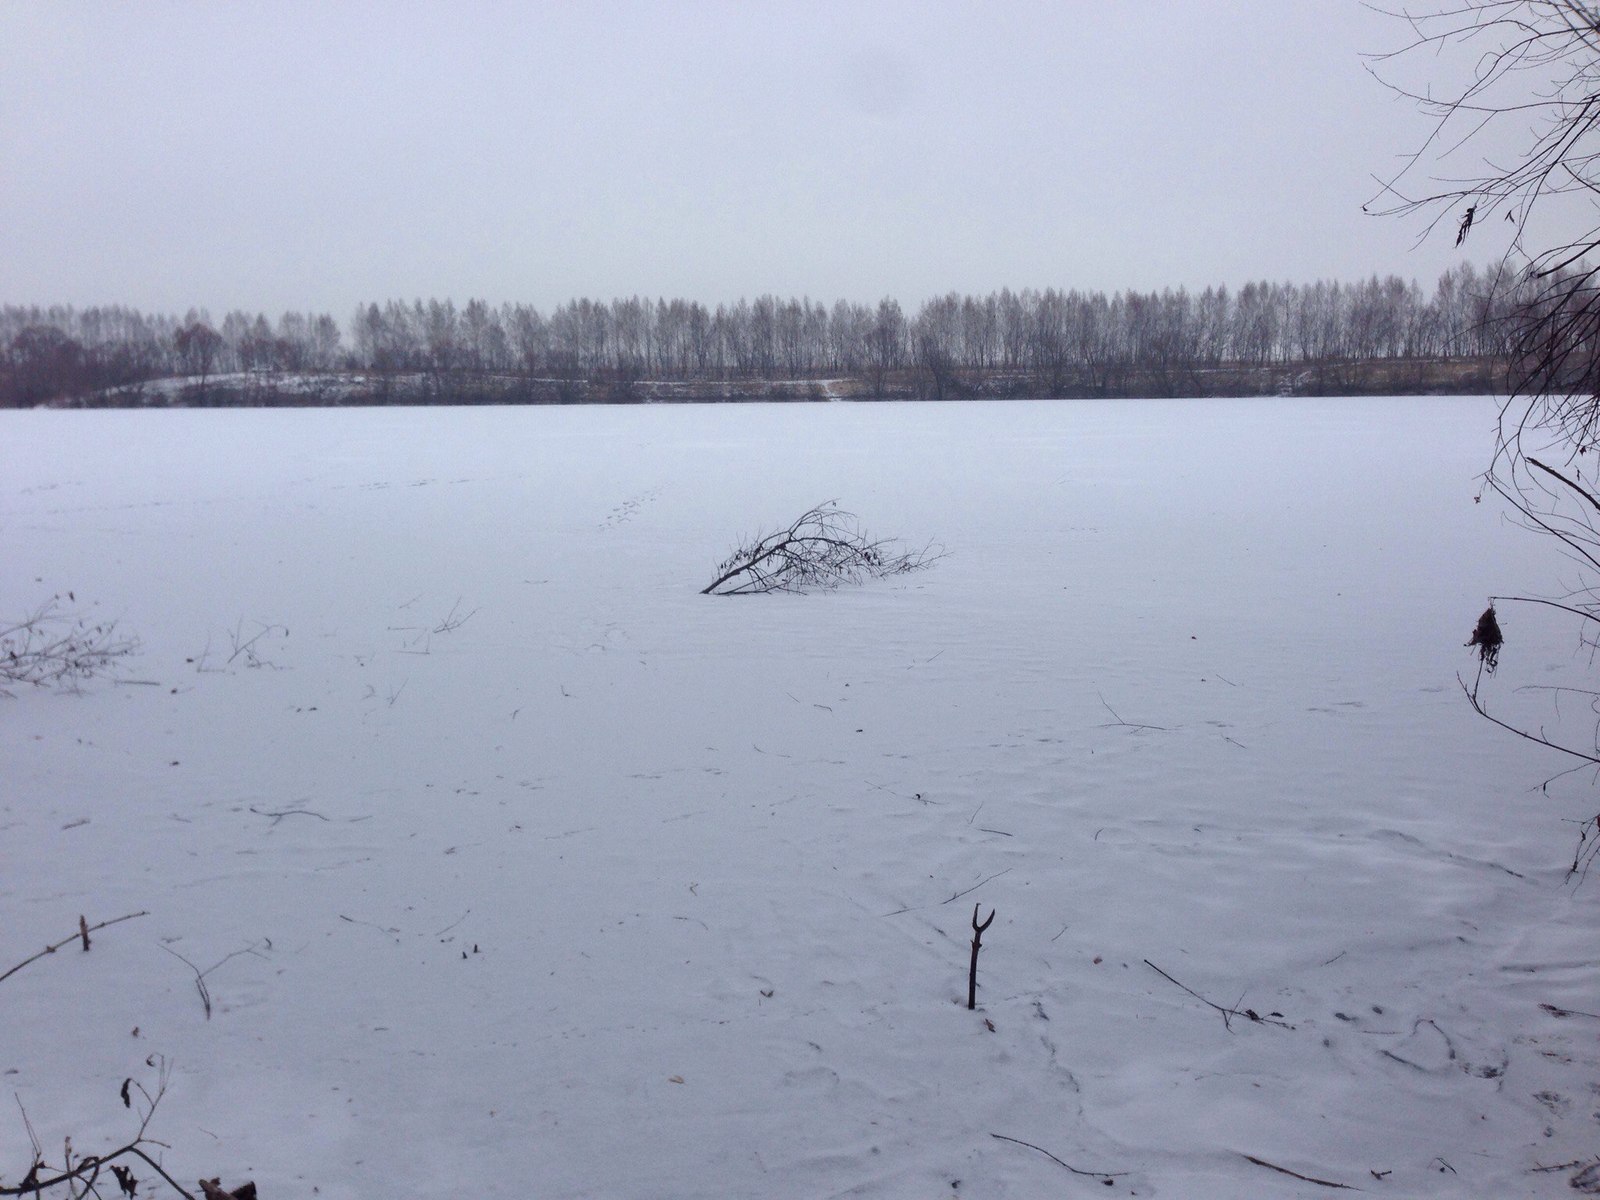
point(271, 156)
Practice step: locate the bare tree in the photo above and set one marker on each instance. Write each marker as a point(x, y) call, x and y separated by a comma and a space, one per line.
point(198, 346)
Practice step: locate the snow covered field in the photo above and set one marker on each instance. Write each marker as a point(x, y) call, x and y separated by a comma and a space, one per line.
point(558, 878)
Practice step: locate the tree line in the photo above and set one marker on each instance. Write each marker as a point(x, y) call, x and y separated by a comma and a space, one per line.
point(1026, 342)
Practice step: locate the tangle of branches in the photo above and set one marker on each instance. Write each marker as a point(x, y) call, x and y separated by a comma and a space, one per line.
point(822, 548)
point(52, 646)
point(1512, 90)
point(79, 1174)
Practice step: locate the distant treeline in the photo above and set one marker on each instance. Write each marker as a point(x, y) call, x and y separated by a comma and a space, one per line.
point(1375, 335)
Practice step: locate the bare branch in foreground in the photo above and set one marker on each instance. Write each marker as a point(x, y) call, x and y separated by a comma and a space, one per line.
point(1477, 707)
point(80, 1177)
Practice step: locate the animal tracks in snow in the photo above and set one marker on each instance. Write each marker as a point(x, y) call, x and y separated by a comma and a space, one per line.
point(629, 508)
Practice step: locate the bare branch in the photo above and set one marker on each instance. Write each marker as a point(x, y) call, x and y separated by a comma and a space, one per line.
point(1103, 1176)
point(824, 547)
point(82, 933)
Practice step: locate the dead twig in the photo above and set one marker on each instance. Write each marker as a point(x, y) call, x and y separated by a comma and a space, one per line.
point(1228, 1014)
point(1104, 1176)
point(84, 930)
point(976, 886)
point(288, 812)
point(247, 646)
point(80, 1177)
point(1557, 1011)
point(452, 622)
point(1117, 722)
point(1327, 1183)
point(200, 976)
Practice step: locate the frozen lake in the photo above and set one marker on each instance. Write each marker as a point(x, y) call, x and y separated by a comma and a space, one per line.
point(1182, 693)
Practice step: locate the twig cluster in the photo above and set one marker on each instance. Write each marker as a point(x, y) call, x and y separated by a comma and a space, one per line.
point(78, 1174)
point(824, 547)
point(1104, 1177)
point(53, 646)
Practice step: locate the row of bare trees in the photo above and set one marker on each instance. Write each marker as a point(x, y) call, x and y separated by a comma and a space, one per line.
point(68, 353)
point(1090, 340)
point(775, 338)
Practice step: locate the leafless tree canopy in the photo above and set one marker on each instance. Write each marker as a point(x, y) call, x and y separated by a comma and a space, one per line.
point(1513, 90)
point(1050, 341)
point(822, 548)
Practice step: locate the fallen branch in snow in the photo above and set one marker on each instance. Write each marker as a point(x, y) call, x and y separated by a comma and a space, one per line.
point(952, 899)
point(1555, 1011)
point(84, 930)
point(1228, 1014)
point(1327, 1183)
point(1104, 1177)
point(51, 646)
point(211, 1189)
point(1117, 722)
point(452, 621)
point(822, 548)
point(200, 976)
point(977, 885)
point(288, 812)
point(1566, 1166)
point(384, 929)
point(247, 646)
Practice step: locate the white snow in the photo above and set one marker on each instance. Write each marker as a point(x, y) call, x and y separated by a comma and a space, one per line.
point(1183, 691)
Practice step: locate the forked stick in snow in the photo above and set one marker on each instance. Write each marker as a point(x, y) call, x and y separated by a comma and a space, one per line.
point(84, 930)
point(824, 547)
point(972, 971)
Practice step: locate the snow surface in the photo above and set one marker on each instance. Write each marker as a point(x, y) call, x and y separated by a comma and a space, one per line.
point(618, 890)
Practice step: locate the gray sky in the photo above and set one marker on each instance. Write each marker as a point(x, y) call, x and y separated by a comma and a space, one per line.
point(271, 155)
